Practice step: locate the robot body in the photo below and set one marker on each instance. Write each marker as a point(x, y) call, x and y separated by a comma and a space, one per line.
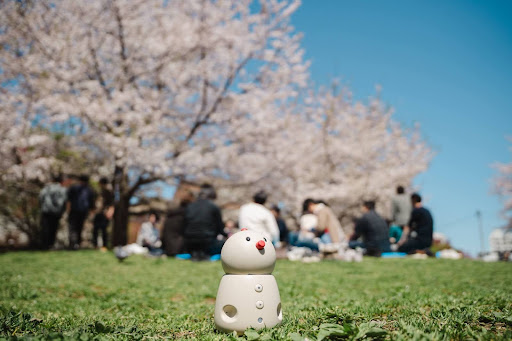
point(248, 296)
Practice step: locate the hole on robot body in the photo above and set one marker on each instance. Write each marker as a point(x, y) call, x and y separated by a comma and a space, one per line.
point(260, 320)
point(279, 312)
point(229, 313)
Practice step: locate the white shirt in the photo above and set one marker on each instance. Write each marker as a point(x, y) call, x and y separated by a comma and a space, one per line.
point(256, 217)
point(308, 222)
point(148, 234)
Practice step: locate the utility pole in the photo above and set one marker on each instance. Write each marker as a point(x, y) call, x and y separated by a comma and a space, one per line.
point(481, 229)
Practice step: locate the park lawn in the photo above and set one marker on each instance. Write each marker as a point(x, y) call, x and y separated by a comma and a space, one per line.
point(90, 295)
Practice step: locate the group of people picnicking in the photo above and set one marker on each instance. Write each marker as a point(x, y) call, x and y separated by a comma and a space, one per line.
point(196, 226)
point(409, 228)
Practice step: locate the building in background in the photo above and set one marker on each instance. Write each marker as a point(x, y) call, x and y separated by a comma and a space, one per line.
point(500, 240)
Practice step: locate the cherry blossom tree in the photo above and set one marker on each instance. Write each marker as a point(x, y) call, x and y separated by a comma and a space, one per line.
point(361, 153)
point(156, 87)
point(502, 185)
point(196, 90)
point(331, 147)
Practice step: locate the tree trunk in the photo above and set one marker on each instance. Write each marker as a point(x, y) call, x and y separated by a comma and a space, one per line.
point(123, 192)
point(120, 223)
point(122, 205)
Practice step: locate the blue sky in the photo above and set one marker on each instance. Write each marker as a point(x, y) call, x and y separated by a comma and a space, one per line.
point(443, 64)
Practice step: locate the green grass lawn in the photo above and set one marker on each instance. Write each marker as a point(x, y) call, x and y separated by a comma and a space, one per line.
point(90, 295)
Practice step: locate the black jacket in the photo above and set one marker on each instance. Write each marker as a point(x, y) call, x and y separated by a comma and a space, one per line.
point(82, 198)
point(421, 221)
point(172, 236)
point(203, 220)
point(374, 231)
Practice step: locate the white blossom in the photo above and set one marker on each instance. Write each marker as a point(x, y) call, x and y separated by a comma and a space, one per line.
point(502, 185)
point(195, 90)
point(152, 85)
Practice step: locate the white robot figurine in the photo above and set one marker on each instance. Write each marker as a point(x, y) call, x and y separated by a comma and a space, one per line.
point(248, 295)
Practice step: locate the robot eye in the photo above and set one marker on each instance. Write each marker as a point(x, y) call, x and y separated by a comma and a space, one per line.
point(248, 239)
point(265, 239)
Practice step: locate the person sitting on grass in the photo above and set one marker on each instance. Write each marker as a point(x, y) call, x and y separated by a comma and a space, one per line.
point(174, 225)
point(305, 236)
point(230, 227)
point(418, 233)
point(281, 224)
point(373, 229)
point(203, 225)
point(254, 216)
point(328, 228)
point(395, 233)
point(149, 236)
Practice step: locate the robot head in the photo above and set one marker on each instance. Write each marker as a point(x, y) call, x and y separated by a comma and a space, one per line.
point(248, 253)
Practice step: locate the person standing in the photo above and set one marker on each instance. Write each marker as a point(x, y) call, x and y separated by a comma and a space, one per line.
point(255, 216)
point(80, 203)
point(52, 202)
point(203, 223)
point(102, 218)
point(373, 229)
point(418, 233)
point(400, 208)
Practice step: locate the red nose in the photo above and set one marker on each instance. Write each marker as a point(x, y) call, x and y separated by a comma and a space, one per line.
point(260, 245)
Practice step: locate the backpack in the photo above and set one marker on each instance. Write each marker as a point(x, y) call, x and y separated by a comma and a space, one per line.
point(82, 200)
point(53, 199)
